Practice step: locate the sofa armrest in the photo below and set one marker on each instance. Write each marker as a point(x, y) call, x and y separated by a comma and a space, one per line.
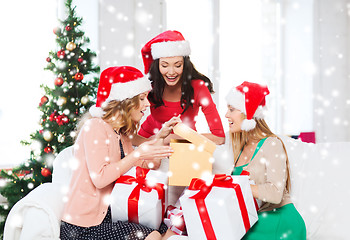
point(37, 215)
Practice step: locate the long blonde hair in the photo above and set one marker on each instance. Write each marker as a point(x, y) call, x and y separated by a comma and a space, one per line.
point(261, 130)
point(118, 115)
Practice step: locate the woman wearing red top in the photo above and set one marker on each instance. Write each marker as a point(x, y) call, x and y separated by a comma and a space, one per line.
point(178, 88)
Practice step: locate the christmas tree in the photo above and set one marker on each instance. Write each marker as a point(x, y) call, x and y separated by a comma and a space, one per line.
point(75, 85)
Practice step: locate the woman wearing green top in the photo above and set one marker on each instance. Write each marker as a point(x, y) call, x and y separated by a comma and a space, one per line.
point(260, 152)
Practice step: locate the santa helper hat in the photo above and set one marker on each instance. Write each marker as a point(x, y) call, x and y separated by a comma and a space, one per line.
point(167, 44)
point(119, 83)
point(249, 98)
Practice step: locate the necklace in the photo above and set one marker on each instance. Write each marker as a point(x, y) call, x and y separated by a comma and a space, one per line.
point(239, 155)
point(249, 147)
point(122, 153)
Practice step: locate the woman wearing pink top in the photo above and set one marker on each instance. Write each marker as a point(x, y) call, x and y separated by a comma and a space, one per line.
point(178, 88)
point(103, 152)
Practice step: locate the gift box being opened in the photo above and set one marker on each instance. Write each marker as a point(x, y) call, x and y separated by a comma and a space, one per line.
point(192, 157)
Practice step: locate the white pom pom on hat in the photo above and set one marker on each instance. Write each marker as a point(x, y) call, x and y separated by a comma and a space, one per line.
point(119, 83)
point(249, 98)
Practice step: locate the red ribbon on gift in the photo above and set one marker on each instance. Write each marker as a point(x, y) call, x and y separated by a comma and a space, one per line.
point(219, 180)
point(133, 200)
point(246, 173)
point(175, 220)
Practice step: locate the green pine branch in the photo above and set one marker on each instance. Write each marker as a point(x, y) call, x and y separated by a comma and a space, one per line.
point(61, 106)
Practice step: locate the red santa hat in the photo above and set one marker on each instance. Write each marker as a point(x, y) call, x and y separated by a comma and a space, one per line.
point(167, 44)
point(119, 83)
point(249, 98)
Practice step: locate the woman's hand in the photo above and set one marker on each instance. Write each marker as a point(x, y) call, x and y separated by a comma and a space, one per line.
point(167, 127)
point(152, 154)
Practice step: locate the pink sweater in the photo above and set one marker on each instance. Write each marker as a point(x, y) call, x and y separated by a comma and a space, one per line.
point(96, 166)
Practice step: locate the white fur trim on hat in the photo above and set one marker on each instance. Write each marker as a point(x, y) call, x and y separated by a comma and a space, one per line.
point(236, 99)
point(248, 125)
point(122, 91)
point(260, 112)
point(170, 49)
point(96, 111)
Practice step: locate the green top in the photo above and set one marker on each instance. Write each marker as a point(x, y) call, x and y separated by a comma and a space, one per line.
point(238, 170)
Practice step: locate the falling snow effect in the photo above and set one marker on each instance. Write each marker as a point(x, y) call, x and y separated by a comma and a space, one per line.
point(317, 171)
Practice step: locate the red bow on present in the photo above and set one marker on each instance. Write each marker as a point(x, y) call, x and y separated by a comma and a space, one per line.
point(219, 180)
point(133, 200)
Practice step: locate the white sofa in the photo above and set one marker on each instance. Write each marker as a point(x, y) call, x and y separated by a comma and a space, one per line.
point(320, 190)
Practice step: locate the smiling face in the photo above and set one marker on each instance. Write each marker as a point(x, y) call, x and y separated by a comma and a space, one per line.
point(138, 113)
point(171, 69)
point(235, 119)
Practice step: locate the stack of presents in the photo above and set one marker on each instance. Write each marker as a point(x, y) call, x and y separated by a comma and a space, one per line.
point(211, 206)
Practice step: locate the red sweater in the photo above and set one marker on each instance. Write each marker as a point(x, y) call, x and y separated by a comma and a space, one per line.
point(202, 98)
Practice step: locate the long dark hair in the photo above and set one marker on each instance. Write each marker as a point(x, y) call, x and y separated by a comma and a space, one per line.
point(189, 73)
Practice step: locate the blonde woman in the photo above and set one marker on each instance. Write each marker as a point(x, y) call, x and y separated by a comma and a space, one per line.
point(260, 152)
point(103, 152)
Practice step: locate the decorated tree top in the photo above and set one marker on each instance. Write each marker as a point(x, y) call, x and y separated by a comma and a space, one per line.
point(73, 87)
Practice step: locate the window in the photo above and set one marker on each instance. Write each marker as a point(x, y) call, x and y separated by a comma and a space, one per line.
point(26, 41)
point(230, 43)
point(194, 19)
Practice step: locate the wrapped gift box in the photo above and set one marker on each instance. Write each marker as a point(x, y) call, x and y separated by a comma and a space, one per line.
point(174, 220)
point(257, 202)
point(139, 196)
point(227, 209)
point(192, 157)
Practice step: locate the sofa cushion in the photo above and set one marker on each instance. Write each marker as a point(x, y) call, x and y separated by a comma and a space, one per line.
point(320, 188)
point(62, 167)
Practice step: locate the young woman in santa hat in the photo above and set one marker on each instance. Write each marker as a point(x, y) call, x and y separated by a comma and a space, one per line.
point(103, 152)
point(261, 153)
point(178, 88)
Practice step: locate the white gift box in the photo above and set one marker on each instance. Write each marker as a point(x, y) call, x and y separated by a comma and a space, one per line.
point(230, 212)
point(257, 202)
point(149, 209)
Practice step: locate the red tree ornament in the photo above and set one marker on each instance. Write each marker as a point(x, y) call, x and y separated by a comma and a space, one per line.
point(43, 100)
point(53, 116)
point(68, 28)
point(48, 59)
point(79, 76)
point(62, 119)
point(57, 30)
point(45, 172)
point(61, 54)
point(48, 149)
point(58, 81)
point(80, 60)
